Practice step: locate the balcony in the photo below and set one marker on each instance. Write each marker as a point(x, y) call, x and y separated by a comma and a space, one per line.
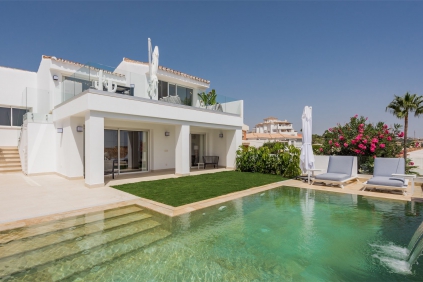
point(99, 77)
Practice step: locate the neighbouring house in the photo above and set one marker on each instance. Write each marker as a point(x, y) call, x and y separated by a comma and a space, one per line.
point(82, 120)
point(274, 130)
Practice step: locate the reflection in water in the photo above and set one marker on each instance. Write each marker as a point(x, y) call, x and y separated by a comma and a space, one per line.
point(284, 234)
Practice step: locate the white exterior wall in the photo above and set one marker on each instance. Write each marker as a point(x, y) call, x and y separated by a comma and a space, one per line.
point(94, 153)
point(9, 136)
point(135, 74)
point(69, 147)
point(12, 94)
point(161, 147)
point(233, 141)
point(182, 152)
point(13, 82)
point(46, 151)
point(41, 141)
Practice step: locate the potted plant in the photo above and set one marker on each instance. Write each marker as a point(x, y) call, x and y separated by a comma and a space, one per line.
point(208, 99)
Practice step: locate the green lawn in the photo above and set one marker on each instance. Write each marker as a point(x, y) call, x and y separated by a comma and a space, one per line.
point(189, 189)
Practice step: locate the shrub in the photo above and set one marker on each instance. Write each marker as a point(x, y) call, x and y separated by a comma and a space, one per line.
point(362, 139)
point(279, 159)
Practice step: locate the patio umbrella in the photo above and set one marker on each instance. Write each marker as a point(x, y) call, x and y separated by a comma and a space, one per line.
point(307, 157)
point(153, 61)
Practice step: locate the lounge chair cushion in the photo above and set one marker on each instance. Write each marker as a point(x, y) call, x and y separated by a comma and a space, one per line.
point(341, 165)
point(387, 166)
point(386, 181)
point(332, 176)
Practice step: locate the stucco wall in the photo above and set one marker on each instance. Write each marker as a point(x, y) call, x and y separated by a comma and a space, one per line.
point(13, 82)
point(69, 147)
point(41, 141)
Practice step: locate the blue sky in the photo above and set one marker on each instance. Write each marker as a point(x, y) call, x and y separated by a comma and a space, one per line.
point(342, 58)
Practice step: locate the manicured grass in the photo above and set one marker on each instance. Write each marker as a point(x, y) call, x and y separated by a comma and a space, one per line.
point(189, 189)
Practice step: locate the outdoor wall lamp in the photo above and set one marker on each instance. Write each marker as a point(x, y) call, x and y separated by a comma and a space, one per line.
point(167, 133)
point(55, 77)
point(221, 135)
point(79, 129)
point(60, 130)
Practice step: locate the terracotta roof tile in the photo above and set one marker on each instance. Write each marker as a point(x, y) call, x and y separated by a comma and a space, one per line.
point(79, 64)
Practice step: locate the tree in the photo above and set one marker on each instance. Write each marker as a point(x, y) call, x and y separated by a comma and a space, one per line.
point(401, 107)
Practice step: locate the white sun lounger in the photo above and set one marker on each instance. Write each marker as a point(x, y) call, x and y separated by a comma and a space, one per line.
point(389, 174)
point(341, 169)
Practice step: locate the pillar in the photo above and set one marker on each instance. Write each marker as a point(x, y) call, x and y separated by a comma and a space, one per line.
point(182, 153)
point(233, 141)
point(94, 150)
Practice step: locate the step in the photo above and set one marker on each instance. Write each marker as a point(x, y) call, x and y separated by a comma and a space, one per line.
point(10, 158)
point(44, 228)
point(71, 268)
point(6, 170)
point(14, 163)
point(9, 153)
point(41, 241)
point(9, 167)
point(70, 250)
point(8, 149)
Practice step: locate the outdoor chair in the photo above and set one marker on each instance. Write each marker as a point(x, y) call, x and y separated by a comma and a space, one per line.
point(214, 160)
point(389, 174)
point(172, 99)
point(216, 107)
point(341, 169)
point(109, 167)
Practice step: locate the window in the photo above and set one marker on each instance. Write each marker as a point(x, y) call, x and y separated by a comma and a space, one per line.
point(11, 116)
point(185, 94)
point(163, 90)
point(168, 89)
point(5, 116)
point(172, 90)
point(17, 116)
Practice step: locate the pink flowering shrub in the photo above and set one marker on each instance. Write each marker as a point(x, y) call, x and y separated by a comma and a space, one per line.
point(361, 138)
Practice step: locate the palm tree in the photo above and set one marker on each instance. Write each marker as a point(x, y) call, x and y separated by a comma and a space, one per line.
point(401, 107)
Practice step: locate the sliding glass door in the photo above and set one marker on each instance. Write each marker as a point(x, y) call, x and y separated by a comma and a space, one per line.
point(197, 148)
point(133, 151)
point(126, 151)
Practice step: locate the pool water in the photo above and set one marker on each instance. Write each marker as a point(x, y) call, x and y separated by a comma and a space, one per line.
point(284, 234)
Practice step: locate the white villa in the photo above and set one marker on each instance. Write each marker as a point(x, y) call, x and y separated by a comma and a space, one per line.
point(274, 130)
point(84, 120)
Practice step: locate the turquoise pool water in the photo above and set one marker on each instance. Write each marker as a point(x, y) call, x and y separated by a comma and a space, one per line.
point(286, 234)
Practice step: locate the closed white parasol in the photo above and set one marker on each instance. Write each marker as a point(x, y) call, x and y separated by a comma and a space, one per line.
point(153, 61)
point(307, 157)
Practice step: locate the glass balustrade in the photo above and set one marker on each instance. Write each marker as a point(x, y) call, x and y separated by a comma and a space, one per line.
point(109, 79)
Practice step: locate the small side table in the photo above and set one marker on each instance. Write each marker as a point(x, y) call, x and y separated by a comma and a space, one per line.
point(200, 165)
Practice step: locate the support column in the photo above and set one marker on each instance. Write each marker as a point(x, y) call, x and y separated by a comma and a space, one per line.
point(233, 141)
point(94, 150)
point(182, 154)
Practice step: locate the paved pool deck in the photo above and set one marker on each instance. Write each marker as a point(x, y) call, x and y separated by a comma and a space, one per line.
point(27, 200)
point(23, 197)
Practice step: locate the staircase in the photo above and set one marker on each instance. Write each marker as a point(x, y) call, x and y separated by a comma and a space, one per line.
point(75, 247)
point(9, 159)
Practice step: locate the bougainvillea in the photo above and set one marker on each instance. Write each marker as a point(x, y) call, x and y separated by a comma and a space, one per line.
point(360, 138)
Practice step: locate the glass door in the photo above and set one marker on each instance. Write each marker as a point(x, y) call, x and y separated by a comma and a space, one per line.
point(111, 151)
point(133, 151)
point(197, 148)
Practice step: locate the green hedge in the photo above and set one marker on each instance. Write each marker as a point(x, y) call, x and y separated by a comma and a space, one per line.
point(280, 159)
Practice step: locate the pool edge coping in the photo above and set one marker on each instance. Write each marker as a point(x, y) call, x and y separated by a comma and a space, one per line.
point(177, 211)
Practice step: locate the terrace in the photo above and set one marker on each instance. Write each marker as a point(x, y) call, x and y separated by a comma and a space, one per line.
point(118, 80)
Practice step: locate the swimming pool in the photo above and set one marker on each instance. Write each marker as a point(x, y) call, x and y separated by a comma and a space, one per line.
point(284, 234)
